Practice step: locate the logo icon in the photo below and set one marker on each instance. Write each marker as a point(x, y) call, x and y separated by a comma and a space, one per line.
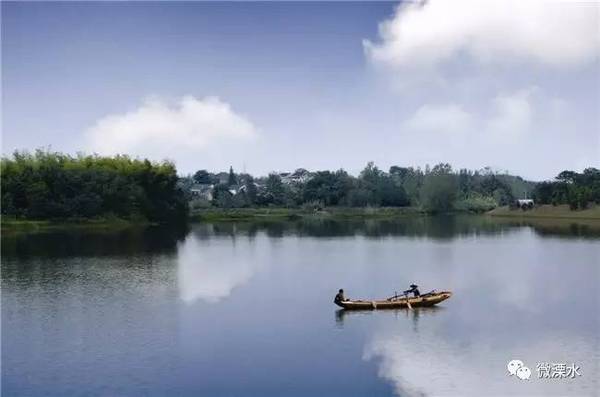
point(523, 373)
point(516, 367)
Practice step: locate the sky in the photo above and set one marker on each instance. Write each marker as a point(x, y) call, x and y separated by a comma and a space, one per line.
point(274, 86)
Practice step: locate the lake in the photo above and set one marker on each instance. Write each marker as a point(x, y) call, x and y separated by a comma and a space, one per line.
point(245, 309)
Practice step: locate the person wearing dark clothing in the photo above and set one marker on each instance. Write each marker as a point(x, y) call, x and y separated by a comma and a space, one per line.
point(414, 290)
point(339, 297)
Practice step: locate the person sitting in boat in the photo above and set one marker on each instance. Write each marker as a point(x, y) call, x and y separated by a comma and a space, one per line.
point(339, 297)
point(414, 290)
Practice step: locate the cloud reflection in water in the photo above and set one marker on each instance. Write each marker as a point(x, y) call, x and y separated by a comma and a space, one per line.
point(210, 272)
point(421, 362)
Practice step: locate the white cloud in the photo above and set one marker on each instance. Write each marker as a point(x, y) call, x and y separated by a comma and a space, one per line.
point(509, 117)
point(159, 131)
point(513, 114)
point(450, 118)
point(423, 35)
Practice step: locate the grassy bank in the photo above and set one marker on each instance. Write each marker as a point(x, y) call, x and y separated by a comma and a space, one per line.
point(11, 225)
point(278, 213)
point(548, 211)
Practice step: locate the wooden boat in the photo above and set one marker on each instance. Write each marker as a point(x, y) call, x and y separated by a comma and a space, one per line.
point(397, 302)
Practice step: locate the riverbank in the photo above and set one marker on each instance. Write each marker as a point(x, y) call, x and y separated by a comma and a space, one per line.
point(279, 213)
point(12, 225)
point(282, 214)
point(549, 212)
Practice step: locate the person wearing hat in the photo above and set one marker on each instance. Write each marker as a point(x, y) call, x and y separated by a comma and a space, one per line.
point(339, 297)
point(414, 290)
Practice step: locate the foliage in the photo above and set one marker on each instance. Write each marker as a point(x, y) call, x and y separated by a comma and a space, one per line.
point(49, 185)
point(572, 188)
point(435, 189)
point(203, 177)
point(222, 197)
point(231, 180)
point(251, 190)
point(328, 188)
point(439, 189)
point(476, 203)
point(274, 191)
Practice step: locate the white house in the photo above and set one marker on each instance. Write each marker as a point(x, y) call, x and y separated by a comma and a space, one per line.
point(524, 204)
point(202, 191)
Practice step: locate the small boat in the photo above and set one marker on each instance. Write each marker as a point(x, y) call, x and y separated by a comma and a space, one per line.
point(397, 302)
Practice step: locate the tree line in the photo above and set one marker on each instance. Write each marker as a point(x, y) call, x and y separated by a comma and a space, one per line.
point(437, 189)
point(577, 190)
point(48, 185)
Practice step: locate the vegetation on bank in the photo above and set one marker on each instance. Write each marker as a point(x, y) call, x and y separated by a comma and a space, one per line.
point(437, 189)
point(549, 211)
point(44, 189)
point(11, 224)
point(54, 186)
point(282, 213)
point(577, 190)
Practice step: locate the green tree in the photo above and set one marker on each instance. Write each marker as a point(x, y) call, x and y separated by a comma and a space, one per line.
point(49, 185)
point(383, 189)
point(232, 180)
point(251, 190)
point(274, 190)
point(203, 177)
point(439, 190)
point(390, 194)
point(327, 187)
point(222, 197)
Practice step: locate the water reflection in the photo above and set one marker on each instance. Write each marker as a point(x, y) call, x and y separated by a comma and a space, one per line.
point(209, 268)
point(93, 242)
point(76, 326)
point(422, 361)
point(434, 227)
point(343, 315)
point(237, 309)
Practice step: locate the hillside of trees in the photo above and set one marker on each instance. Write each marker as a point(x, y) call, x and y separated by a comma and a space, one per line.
point(46, 185)
point(439, 189)
point(569, 187)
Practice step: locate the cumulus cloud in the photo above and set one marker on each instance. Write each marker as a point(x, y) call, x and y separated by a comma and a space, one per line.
point(513, 114)
point(481, 80)
point(450, 118)
point(425, 34)
point(509, 116)
point(159, 130)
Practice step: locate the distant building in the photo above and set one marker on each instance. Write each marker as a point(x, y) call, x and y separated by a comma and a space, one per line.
point(204, 191)
point(524, 203)
point(299, 176)
point(223, 177)
point(244, 187)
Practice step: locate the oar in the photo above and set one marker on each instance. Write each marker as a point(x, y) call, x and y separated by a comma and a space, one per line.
point(408, 302)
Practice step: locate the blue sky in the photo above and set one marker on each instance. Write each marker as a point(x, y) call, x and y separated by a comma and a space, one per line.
point(277, 86)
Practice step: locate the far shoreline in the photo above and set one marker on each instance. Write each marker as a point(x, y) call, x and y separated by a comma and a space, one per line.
point(36, 225)
point(278, 214)
point(548, 212)
point(284, 213)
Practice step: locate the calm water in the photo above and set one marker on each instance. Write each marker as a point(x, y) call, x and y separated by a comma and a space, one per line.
point(246, 309)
